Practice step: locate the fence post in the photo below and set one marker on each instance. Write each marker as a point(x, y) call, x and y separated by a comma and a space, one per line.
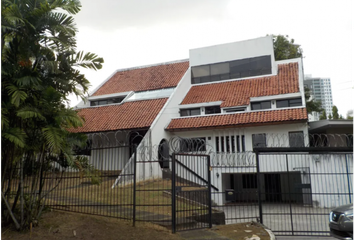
point(291, 211)
point(348, 178)
point(173, 193)
point(209, 192)
point(134, 185)
point(259, 189)
point(21, 173)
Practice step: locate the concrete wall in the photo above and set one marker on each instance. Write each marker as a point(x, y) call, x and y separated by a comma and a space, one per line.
point(233, 51)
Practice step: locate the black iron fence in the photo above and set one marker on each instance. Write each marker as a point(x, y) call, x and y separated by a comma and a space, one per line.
point(290, 190)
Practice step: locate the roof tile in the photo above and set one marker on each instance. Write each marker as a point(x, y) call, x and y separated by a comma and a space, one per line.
point(145, 78)
point(129, 115)
point(238, 119)
point(238, 93)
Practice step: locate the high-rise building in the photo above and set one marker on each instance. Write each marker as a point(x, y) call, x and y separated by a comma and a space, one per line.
point(321, 91)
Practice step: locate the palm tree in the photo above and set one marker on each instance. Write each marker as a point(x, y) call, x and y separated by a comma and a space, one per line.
point(40, 65)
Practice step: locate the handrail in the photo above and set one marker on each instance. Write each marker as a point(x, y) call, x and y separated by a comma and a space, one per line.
point(195, 174)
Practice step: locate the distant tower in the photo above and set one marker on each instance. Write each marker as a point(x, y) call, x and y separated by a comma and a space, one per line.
point(321, 91)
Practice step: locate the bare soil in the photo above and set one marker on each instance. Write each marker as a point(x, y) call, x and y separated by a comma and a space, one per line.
point(63, 225)
point(241, 231)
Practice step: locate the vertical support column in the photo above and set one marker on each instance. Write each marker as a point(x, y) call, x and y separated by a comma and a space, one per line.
point(291, 211)
point(22, 213)
point(173, 214)
point(259, 189)
point(209, 191)
point(134, 185)
point(348, 177)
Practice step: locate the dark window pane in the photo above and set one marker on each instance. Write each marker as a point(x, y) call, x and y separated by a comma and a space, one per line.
point(214, 78)
point(195, 80)
point(219, 68)
point(184, 112)
point(233, 144)
point(93, 103)
point(282, 103)
point(217, 144)
point(265, 105)
point(243, 143)
point(296, 139)
point(194, 111)
point(259, 140)
point(201, 71)
point(295, 102)
point(238, 143)
point(256, 106)
point(212, 110)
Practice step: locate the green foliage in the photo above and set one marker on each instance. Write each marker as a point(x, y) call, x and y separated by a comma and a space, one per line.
point(284, 48)
point(40, 69)
point(335, 112)
point(323, 115)
point(329, 116)
point(86, 169)
point(312, 105)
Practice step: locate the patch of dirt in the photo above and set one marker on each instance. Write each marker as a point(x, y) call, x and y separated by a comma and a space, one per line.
point(63, 225)
point(242, 231)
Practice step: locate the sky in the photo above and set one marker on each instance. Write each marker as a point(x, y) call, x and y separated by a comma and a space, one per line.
point(131, 33)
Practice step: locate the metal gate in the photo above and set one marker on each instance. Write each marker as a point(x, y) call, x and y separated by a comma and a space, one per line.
point(191, 192)
point(297, 188)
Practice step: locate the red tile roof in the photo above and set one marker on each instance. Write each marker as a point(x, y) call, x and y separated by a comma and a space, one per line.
point(146, 78)
point(129, 115)
point(238, 93)
point(239, 119)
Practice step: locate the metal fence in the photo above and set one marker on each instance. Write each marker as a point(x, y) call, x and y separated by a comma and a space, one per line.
point(290, 190)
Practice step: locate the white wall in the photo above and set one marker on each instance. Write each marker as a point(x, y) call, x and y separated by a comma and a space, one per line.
point(233, 51)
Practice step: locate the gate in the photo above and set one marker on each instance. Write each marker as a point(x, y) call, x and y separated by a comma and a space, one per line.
point(298, 188)
point(191, 192)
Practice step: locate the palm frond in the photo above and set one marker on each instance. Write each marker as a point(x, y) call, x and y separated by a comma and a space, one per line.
point(16, 94)
point(88, 60)
point(14, 135)
point(54, 138)
point(30, 112)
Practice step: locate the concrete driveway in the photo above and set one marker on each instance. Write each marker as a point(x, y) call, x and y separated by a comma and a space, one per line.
point(282, 219)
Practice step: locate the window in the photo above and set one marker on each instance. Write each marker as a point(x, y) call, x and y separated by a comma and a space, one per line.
point(192, 145)
point(230, 110)
point(259, 140)
point(230, 144)
point(233, 69)
point(190, 112)
point(296, 139)
point(260, 105)
point(289, 103)
point(106, 101)
point(249, 180)
point(212, 110)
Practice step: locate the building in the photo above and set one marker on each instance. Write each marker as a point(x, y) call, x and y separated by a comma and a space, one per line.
point(227, 98)
point(321, 91)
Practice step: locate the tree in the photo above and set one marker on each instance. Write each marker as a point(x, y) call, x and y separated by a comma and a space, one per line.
point(335, 112)
point(40, 65)
point(311, 104)
point(284, 48)
point(323, 115)
point(350, 115)
point(329, 116)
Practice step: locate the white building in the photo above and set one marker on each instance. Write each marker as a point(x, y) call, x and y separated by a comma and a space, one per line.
point(321, 91)
point(231, 97)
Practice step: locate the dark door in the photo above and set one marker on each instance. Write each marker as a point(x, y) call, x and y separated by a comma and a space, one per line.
point(272, 187)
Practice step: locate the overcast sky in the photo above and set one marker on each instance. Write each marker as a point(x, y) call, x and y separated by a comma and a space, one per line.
point(130, 33)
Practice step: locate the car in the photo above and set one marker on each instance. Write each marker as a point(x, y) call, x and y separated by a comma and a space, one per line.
point(341, 222)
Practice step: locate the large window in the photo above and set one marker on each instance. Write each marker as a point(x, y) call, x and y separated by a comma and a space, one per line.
point(230, 144)
point(289, 103)
point(259, 140)
point(296, 139)
point(190, 112)
point(260, 105)
point(212, 110)
point(233, 69)
point(192, 145)
point(106, 101)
